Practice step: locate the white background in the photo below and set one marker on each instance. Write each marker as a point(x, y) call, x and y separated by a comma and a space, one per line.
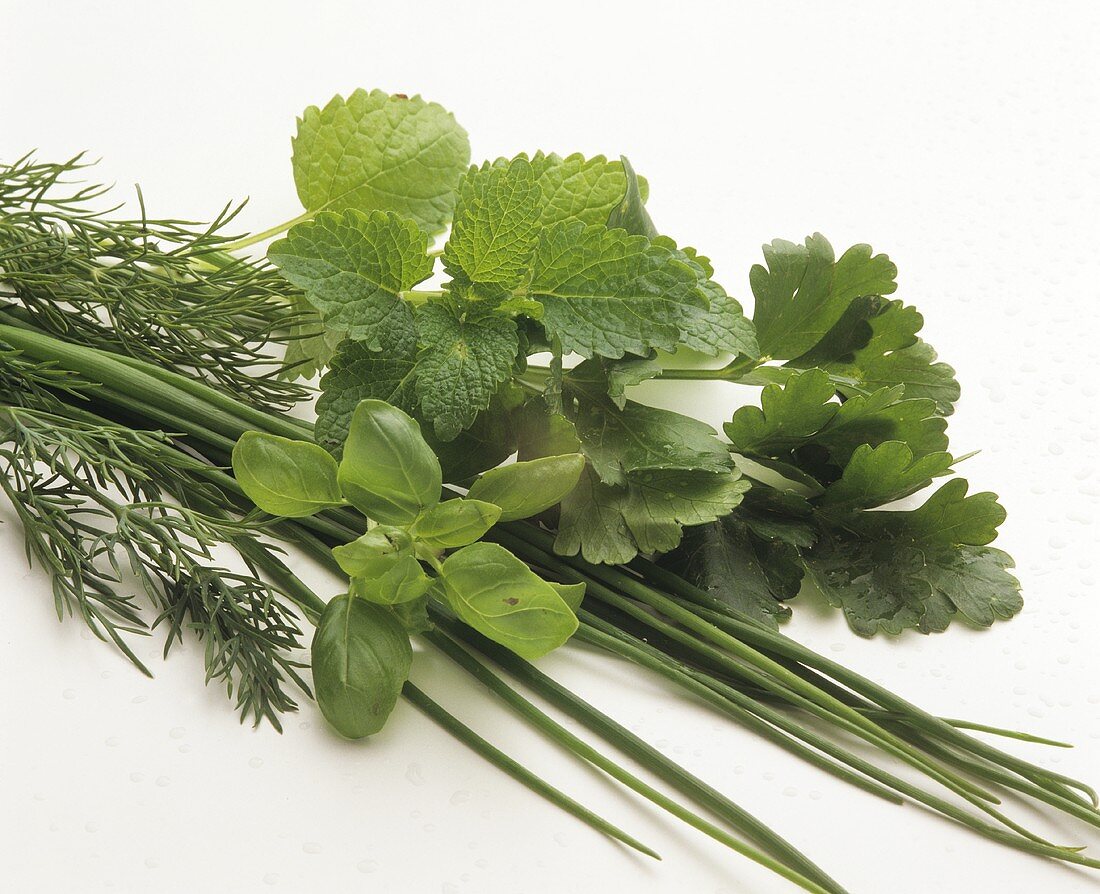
point(963, 139)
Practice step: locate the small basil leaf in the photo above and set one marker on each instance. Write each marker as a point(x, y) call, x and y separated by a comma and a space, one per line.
point(288, 478)
point(374, 553)
point(455, 523)
point(524, 489)
point(361, 657)
point(388, 471)
point(403, 581)
point(571, 594)
point(414, 615)
point(499, 596)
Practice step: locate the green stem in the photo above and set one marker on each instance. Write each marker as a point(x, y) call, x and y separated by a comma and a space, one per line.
point(253, 238)
point(560, 734)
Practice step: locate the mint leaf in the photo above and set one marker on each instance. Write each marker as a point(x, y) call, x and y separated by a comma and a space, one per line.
point(606, 293)
point(376, 151)
point(579, 188)
point(496, 224)
point(804, 290)
point(355, 374)
point(353, 267)
point(465, 357)
point(722, 326)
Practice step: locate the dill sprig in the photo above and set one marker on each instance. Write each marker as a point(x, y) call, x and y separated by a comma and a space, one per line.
point(115, 514)
point(157, 290)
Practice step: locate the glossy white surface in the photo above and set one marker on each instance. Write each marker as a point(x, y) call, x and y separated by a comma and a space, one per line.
point(962, 139)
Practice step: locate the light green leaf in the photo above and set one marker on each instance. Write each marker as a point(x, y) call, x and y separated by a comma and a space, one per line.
point(523, 489)
point(465, 358)
point(607, 293)
point(374, 553)
point(283, 477)
point(388, 471)
point(496, 224)
point(360, 658)
point(581, 189)
point(722, 326)
point(571, 594)
point(500, 597)
point(404, 581)
point(455, 523)
point(375, 151)
point(353, 267)
point(803, 291)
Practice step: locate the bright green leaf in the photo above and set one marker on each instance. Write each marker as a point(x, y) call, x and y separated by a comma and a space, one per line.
point(500, 597)
point(375, 151)
point(353, 267)
point(387, 470)
point(455, 523)
point(404, 581)
point(571, 594)
point(523, 489)
point(374, 553)
point(283, 477)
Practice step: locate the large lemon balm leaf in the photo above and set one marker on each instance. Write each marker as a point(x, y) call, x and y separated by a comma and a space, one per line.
point(377, 151)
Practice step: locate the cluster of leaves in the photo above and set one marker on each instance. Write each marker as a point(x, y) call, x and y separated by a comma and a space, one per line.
point(835, 463)
point(559, 256)
point(361, 653)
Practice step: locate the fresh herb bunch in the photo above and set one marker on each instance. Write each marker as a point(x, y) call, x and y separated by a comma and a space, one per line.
point(116, 448)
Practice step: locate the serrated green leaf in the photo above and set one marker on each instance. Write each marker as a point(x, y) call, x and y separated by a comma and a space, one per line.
point(977, 581)
point(496, 224)
point(284, 477)
point(356, 374)
point(465, 358)
point(578, 188)
point(949, 517)
point(722, 326)
point(353, 267)
point(605, 293)
point(311, 345)
point(376, 151)
point(804, 290)
point(500, 597)
point(788, 415)
point(748, 573)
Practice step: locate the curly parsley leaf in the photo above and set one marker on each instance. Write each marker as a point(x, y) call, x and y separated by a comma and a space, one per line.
point(804, 290)
point(377, 151)
point(353, 267)
point(466, 356)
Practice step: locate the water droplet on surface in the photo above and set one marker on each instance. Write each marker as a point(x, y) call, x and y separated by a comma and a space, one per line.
point(311, 847)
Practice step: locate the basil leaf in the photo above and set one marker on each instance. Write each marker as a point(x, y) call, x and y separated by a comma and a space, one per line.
point(373, 554)
point(403, 581)
point(288, 478)
point(361, 657)
point(500, 597)
point(571, 594)
point(455, 523)
point(388, 471)
point(524, 489)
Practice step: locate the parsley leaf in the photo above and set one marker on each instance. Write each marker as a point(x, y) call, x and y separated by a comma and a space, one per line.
point(804, 290)
point(353, 267)
point(376, 151)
